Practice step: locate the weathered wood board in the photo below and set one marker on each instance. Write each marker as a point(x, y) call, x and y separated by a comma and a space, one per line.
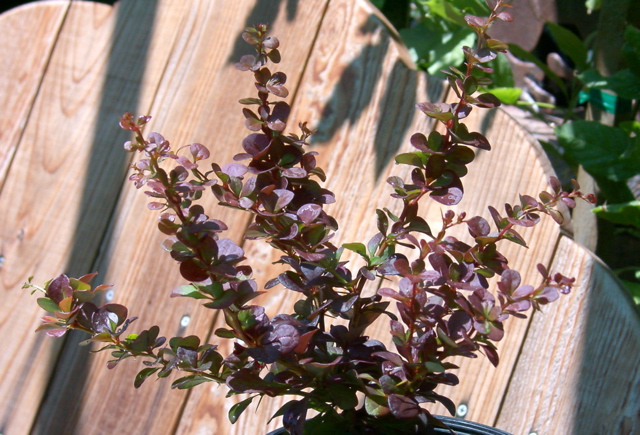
point(579, 369)
point(85, 64)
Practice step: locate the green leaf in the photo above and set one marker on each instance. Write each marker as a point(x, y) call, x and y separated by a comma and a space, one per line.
point(189, 382)
point(214, 289)
point(592, 5)
point(624, 83)
point(634, 290)
point(225, 333)
point(76, 285)
point(631, 49)
point(502, 75)
point(627, 213)
point(48, 305)
point(225, 301)
point(506, 95)
point(420, 225)
point(358, 248)
point(470, 85)
point(237, 409)
point(434, 50)
point(143, 375)
point(382, 222)
point(607, 153)
point(455, 10)
point(250, 101)
point(376, 405)
point(412, 159)
point(392, 216)
point(515, 238)
point(435, 141)
point(190, 342)
point(343, 397)
point(187, 291)
point(570, 45)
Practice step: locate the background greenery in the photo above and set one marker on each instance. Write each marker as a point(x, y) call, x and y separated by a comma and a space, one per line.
point(595, 104)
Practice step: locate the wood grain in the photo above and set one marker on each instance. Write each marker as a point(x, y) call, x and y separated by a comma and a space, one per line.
point(28, 35)
point(63, 185)
point(579, 369)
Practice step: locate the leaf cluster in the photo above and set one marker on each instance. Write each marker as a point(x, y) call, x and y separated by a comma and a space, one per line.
point(443, 297)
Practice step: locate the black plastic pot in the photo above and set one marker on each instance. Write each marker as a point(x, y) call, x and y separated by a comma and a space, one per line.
point(464, 427)
point(459, 426)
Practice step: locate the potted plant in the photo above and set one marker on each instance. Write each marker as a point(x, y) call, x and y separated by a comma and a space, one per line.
point(442, 290)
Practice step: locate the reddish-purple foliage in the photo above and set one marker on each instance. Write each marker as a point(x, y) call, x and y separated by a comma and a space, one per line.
point(443, 295)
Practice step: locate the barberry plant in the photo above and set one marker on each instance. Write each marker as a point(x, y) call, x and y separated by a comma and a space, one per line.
point(442, 295)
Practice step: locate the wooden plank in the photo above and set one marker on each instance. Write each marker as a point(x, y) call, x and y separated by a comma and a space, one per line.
point(579, 371)
point(194, 103)
point(54, 219)
point(28, 36)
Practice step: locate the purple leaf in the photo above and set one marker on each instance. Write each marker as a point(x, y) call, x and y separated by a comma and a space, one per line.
point(417, 176)
point(199, 151)
point(294, 172)
point(281, 111)
point(459, 322)
point(156, 206)
point(256, 144)
point(543, 270)
point(59, 288)
point(522, 291)
point(287, 279)
point(271, 42)
point(403, 407)
point(246, 62)
point(278, 90)
point(286, 336)
point(389, 293)
point(488, 101)
point(491, 353)
point(234, 169)
point(505, 16)
point(191, 271)
point(522, 305)
point(509, 280)
point(475, 21)
point(295, 416)
point(548, 294)
point(308, 213)
point(267, 354)
point(245, 381)
point(478, 226)
point(449, 196)
point(228, 250)
point(284, 198)
point(419, 141)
